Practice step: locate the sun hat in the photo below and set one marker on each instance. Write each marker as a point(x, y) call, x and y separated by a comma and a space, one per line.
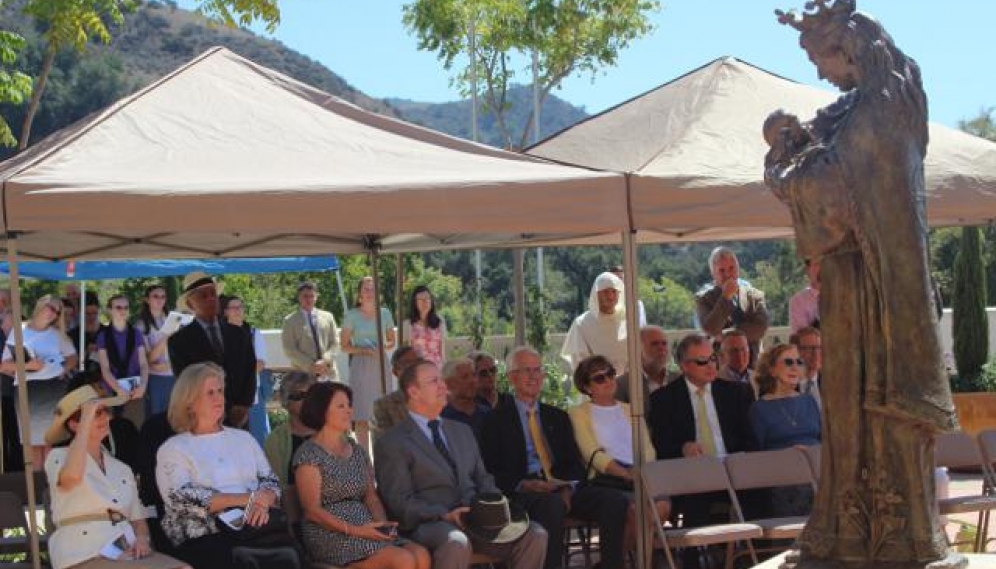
point(72, 402)
point(492, 518)
point(192, 282)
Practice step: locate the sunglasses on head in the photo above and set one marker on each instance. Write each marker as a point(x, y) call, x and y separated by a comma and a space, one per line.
point(703, 361)
point(793, 362)
point(603, 377)
point(296, 395)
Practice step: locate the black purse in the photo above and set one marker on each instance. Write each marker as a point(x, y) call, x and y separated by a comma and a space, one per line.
point(275, 532)
point(605, 480)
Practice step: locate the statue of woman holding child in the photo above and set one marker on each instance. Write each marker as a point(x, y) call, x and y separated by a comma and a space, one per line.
point(853, 180)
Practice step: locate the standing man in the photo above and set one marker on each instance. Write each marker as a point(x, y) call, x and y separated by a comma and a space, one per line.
point(602, 328)
point(804, 306)
point(654, 356)
point(734, 358)
point(429, 470)
point(809, 342)
point(531, 450)
point(730, 302)
point(310, 336)
point(210, 339)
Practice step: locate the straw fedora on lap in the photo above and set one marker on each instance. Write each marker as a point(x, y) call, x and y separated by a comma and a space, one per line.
point(492, 518)
point(72, 402)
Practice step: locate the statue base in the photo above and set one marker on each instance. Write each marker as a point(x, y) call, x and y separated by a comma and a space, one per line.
point(954, 560)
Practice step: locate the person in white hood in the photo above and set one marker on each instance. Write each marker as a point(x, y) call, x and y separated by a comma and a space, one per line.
point(602, 329)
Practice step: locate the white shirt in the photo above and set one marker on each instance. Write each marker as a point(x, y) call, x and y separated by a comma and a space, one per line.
point(613, 431)
point(98, 492)
point(227, 461)
point(595, 333)
point(717, 433)
point(50, 346)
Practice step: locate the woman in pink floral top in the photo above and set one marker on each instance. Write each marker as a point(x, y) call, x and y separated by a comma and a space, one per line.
point(424, 330)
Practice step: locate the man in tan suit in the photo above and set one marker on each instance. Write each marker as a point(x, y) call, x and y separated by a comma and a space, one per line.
point(310, 336)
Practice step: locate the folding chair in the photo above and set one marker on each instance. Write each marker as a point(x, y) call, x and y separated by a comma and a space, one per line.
point(697, 475)
point(772, 469)
point(959, 450)
point(813, 454)
point(583, 530)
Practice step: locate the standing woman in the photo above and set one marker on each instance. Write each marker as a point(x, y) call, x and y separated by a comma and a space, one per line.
point(121, 354)
point(51, 358)
point(93, 492)
point(424, 330)
point(234, 311)
point(359, 340)
point(150, 320)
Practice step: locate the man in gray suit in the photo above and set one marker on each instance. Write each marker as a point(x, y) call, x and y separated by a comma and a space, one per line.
point(309, 336)
point(429, 469)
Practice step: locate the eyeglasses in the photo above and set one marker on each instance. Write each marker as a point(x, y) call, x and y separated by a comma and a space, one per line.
point(296, 395)
point(703, 361)
point(603, 377)
point(487, 371)
point(793, 362)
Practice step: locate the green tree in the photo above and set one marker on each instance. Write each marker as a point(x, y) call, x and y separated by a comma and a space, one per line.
point(970, 328)
point(15, 86)
point(73, 23)
point(984, 125)
point(567, 36)
point(667, 303)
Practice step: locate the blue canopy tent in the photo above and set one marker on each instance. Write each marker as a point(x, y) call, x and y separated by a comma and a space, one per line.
point(103, 270)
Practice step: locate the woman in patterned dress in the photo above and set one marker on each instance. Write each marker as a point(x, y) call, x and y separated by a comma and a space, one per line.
point(424, 330)
point(344, 519)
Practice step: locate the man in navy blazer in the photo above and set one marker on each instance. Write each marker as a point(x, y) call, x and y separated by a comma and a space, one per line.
point(510, 453)
point(428, 489)
point(233, 352)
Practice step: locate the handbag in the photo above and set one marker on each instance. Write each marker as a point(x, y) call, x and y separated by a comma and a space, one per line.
point(275, 532)
point(605, 480)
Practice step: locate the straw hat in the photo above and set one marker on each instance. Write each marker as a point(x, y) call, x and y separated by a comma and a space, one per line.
point(72, 402)
point(192, 282)
point(492, 518)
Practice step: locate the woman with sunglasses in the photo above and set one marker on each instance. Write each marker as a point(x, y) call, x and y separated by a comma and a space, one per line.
point(782, 418)
point(284, 440)
point(50, 358)
point(603, 431)
point(122, 358)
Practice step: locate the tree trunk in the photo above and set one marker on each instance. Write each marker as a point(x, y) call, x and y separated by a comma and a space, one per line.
point(36, 98)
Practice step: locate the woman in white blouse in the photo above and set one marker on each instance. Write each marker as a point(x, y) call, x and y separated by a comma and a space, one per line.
point(206, 469)
point(94, 496)
point(51, 357)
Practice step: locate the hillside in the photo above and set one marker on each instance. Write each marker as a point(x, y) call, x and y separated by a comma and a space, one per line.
point(454, 117)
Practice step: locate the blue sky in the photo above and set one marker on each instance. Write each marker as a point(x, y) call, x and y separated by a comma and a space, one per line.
point(365, 42)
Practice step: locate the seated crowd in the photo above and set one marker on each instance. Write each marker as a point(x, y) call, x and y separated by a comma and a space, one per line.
point(459, 467)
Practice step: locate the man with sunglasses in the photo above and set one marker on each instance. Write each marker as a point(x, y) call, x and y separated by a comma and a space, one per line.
point(530, 449)
point(697, 415)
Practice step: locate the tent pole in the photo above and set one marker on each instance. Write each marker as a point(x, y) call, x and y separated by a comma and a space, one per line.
point(373, 256)
point(399, 286)
point(518, 273)
point(23, 414)
point(81, 314)
point(630, 269)
point(342, 292)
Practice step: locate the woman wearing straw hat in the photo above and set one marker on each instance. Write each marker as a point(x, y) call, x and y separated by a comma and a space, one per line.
point(100, 522)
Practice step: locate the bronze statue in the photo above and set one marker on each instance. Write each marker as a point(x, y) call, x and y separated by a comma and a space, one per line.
point(853, 180)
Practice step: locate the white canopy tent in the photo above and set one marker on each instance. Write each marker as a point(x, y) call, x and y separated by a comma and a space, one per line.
point(695, 155)
point(224, 157)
